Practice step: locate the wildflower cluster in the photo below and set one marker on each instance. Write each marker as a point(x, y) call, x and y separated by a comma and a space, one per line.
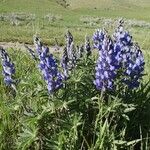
point(72, 54)
point(118, 59)
point(8, 68)
point(130, 58)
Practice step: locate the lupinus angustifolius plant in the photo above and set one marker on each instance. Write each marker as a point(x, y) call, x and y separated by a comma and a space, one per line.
point(72, 57)
point(87, 46)
point(72, 54)
point(47, 65)
point(69, 39)
point(49, 70)
point(134, 68)
point(80, 51)
point(31, 52)
point(64, 63)
point(84, 49)
point(8, 68)
point(38, 47)
point(98, 38)
point(129, 56)
point(105, 69)
point(69, 52)
point(38, 44)
point(118, 59)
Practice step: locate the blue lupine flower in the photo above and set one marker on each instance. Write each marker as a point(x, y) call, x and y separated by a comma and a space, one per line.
point(81, 49)
point(123, 36)
point(78, 52)
point(98, 38)
point(8, 68)
point(131, 58)
point(105, 69)
point(134, 68)
point(120, 58)
point(49, 70)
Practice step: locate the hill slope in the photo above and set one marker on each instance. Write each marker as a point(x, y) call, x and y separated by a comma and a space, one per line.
point(118, 4)
point(70, 16)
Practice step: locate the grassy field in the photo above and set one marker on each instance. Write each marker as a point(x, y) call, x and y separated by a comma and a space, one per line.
point(77, 116)
point(22, 29)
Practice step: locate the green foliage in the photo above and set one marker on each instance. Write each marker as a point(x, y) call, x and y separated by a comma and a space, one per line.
point(75, 117)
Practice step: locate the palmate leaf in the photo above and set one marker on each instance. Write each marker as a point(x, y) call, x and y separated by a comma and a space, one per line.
point(27, 137)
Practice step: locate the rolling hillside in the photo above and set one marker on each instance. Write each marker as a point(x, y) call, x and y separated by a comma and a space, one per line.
point(112, 4)
point(51, 18)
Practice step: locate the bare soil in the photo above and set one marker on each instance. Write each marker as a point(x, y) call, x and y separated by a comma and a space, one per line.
point(17, 45)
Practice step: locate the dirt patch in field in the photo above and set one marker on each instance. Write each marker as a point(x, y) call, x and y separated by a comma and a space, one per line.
point(21, 46)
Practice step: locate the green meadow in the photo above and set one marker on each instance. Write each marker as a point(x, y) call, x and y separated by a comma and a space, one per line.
point(68, 15)
point(77, 116)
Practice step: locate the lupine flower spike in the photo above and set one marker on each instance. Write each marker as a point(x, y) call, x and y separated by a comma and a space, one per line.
point(38, 45)
point(87, 46)
point(72, 57)
point(130, 57)
point(31, 52)
point(69, 40)
point(134, 68)
point(8, 69)
point(71, 53)
point(79, 51)
point(49, 70)
point(64, 63)
point(105, 68)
